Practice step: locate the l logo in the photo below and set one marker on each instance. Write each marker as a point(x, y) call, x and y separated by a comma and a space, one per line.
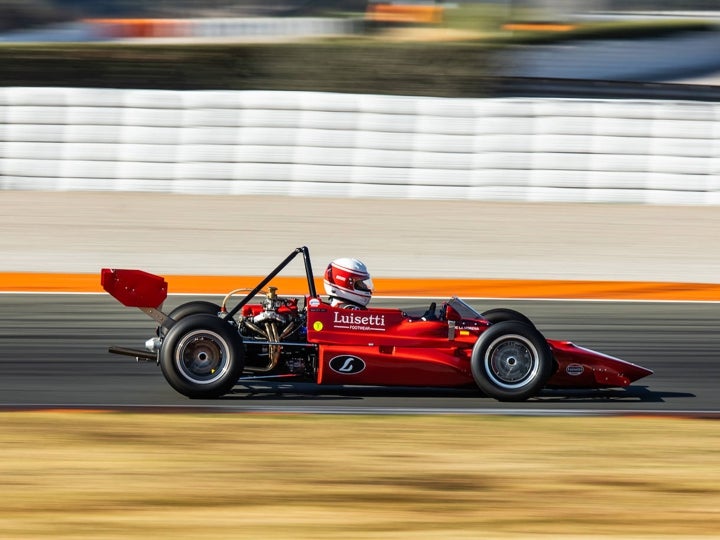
point(347, 364)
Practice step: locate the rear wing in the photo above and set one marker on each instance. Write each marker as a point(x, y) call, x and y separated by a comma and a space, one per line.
point(134, 288)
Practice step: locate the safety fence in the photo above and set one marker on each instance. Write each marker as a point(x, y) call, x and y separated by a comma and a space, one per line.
point(348, 145)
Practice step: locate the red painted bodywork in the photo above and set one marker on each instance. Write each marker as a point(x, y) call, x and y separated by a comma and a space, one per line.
point(585, 368)
point(399, 350)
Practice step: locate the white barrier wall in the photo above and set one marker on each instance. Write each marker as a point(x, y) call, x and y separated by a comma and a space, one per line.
point(345, 145)
point(246, 28)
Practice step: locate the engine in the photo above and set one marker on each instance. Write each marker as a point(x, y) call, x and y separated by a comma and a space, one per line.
point(275, 336)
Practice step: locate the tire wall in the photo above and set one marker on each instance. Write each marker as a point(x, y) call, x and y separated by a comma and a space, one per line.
point(346, 145)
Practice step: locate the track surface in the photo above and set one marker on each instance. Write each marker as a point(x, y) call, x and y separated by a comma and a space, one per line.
point(54, 353)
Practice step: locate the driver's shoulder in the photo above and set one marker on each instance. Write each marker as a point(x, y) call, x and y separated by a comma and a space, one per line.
point(350, 306)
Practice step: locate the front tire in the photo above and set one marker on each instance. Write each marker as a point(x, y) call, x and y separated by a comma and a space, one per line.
point(202, 356)
point(497, 315)
point(511, 361)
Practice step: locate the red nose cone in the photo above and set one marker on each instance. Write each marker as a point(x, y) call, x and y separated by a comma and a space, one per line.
point(635, 372)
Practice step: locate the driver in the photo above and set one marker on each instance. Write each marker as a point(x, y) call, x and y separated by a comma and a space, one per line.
point(347, 282)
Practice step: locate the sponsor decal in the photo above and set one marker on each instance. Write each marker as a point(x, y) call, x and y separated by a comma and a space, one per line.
point(347, 364)
point(575, 369)
point(317, 326)
point(359, 321)
point(314, 302)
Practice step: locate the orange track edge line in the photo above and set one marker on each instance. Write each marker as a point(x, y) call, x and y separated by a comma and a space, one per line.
point(426, 287)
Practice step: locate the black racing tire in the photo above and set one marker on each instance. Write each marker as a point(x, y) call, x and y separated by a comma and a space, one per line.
point(505, 314)
point(511, 361)
point(190, 308)
point(194, 307)
point(202, 356)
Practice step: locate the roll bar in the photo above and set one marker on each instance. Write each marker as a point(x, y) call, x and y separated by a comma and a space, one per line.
point(308, 273)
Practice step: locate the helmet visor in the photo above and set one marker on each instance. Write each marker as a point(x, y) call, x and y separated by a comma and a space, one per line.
point(363, 284)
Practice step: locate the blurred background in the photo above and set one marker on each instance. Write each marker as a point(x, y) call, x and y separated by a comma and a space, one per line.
point(404, 47)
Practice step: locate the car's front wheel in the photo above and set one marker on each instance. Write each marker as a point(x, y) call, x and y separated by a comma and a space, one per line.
point(511, 361)
point(202, 356)
point(497, 315)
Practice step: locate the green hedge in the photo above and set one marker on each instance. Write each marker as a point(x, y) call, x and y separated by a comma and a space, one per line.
point(406, 69)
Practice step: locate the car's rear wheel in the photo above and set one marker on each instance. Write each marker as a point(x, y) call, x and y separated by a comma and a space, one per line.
point(190, 308)
point(511, 361)
point(202, 356)
point(194, 307)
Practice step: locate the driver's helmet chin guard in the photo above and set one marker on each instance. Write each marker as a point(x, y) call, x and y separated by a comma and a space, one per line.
point(348, 280)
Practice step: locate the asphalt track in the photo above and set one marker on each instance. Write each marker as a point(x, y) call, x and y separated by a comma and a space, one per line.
point(54, 355)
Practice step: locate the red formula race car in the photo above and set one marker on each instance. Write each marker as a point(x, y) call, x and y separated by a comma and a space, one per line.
point(204, 349)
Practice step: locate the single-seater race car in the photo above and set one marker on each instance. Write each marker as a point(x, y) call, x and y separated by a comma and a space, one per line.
point(204, 349)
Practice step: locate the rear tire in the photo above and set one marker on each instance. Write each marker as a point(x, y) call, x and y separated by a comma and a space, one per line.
point(194, 307)
point(202, 356)
point(190, 308)
point(511, 361)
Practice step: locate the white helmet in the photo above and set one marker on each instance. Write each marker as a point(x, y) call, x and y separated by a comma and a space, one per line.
point(348, 280)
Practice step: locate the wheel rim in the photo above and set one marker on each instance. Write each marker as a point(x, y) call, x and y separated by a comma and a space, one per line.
point(202, 357)
point(511, 361)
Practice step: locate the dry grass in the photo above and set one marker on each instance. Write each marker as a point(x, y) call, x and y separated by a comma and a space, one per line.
point(112, 475)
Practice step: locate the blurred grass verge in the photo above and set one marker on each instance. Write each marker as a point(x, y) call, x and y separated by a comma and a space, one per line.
point(116, 475)
point(455, 58)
